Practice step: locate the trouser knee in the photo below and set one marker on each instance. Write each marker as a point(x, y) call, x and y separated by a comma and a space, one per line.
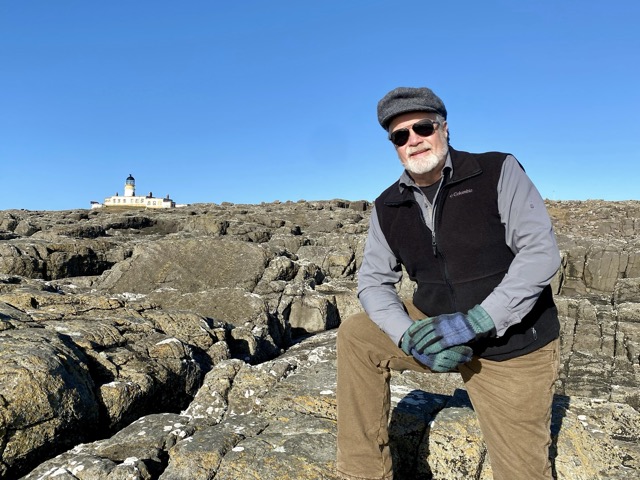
point(352, 328)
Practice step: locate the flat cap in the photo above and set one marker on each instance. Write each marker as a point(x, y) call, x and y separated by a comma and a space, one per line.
point(408, 99)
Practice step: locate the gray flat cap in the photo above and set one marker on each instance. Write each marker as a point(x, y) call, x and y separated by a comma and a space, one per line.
point(407, 99)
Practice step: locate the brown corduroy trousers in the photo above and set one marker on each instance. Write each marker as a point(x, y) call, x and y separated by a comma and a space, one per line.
point(511, 398)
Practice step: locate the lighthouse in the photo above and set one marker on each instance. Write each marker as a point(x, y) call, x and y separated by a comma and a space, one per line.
point(131, 200)
point(130, 187)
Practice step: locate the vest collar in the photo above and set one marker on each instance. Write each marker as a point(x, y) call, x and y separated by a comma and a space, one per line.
point(458, 166)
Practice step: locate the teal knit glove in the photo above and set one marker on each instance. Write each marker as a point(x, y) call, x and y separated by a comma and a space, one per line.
point(435, 334)
point(446, 360)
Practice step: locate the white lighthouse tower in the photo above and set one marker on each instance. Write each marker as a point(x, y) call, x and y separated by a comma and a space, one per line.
point(130, 187)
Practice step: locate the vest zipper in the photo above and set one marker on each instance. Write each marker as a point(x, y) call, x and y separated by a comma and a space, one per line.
point(435, 210)
point(437, 204)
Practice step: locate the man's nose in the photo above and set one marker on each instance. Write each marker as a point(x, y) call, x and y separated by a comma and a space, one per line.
point(414, 138)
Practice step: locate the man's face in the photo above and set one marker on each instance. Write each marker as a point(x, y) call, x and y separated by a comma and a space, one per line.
point(423, 157)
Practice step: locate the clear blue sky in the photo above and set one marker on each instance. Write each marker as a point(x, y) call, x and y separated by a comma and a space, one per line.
point(258, 100)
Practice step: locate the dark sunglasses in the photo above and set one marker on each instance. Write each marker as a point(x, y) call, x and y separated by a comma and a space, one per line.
point(424, 128)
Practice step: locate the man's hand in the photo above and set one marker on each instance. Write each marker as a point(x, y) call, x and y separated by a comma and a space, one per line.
point(446, 360)
point(435, 334)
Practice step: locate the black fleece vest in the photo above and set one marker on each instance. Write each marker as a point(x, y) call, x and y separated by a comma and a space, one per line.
point(458, 264)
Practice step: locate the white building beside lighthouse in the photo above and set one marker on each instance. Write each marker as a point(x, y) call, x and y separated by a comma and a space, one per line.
point(130, 199)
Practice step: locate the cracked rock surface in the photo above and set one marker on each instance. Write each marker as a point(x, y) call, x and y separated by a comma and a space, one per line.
point(199, 343)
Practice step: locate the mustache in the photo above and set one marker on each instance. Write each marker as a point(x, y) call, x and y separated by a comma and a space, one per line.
point(419, 148)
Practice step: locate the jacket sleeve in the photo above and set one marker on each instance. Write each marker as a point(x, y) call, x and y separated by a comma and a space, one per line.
point(530, 237)
point(377, 277)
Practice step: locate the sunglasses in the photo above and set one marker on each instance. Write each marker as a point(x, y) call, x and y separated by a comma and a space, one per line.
point(424, 128)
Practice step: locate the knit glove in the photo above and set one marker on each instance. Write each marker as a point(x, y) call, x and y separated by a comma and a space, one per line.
point(435, 334)
point(446, 360)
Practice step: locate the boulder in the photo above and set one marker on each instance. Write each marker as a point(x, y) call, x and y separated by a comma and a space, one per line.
point(187, 265)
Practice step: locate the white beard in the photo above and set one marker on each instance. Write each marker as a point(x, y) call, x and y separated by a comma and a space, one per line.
point(424, 164)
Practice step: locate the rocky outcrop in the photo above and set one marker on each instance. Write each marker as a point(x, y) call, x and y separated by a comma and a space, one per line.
point(175, 344)
point(277, 420)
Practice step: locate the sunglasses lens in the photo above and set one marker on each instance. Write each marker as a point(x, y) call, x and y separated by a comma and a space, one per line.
point(399, 137)
point(424, 129)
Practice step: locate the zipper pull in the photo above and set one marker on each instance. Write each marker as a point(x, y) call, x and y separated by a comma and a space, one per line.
point(434, 244)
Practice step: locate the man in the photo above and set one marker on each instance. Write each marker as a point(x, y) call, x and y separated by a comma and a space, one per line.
point(472, 231)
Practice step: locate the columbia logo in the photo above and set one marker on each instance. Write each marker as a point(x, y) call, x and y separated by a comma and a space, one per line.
point(461, 192)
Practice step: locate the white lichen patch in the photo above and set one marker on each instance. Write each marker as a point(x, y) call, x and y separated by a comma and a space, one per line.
point(401, 389)
point(112, 384)
point(78, 448)
point(318, 355)
point(238, 449)
point(129, 296)
point(168, 340)
point(326, 392)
